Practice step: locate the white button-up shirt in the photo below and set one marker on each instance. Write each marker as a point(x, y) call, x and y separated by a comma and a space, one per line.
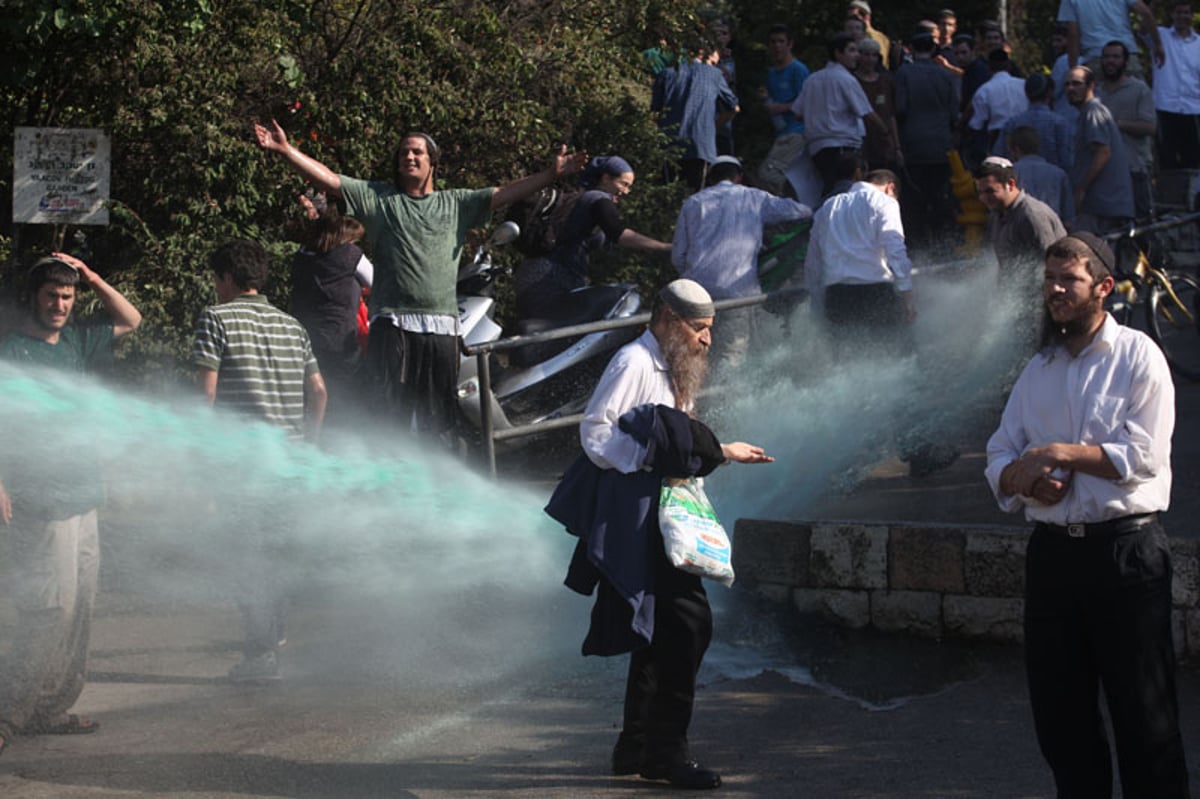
point(636, 375)
point(997, 101)
point(719, 234)
point(1117, 394)
point(857, 238)
point(1177, 81)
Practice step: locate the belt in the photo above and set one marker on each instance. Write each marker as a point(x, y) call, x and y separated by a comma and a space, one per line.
point(1108, 529)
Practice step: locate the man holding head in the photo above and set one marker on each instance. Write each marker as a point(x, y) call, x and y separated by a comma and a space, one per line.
point(416, 236)
point(1100, 176)
point(49, 521)
point(637, 432)
point(1084, 449)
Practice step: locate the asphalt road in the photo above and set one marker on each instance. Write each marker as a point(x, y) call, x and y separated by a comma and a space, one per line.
point(368, 708)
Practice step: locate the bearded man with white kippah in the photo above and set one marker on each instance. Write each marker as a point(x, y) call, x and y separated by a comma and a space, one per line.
point(636, 432)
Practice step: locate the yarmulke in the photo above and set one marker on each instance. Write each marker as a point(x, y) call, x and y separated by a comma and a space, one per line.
point(687, 299)
point(1098, 246)
point(728, 159)
point(1036, 86)
point(861, 4)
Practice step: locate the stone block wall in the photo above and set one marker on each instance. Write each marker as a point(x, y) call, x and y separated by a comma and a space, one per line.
point(925, 579)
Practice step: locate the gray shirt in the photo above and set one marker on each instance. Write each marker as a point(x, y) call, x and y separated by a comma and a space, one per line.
point(1021, 233)
point(1132, 100)
point(1111, 193)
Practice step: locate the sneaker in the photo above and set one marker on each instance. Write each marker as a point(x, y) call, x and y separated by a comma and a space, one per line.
point(260, 668)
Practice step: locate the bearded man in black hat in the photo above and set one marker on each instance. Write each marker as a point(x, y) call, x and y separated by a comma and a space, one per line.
point(1084, 448)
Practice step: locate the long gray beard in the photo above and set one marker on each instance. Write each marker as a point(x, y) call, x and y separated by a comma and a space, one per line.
point(687, 369)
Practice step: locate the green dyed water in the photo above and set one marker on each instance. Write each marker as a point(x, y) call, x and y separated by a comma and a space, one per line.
point(195, 494)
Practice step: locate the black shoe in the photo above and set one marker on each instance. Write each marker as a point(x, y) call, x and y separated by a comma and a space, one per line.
point(683, 775)
point(627, 757)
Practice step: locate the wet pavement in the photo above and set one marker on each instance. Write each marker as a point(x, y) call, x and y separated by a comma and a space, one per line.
point(370, 705)
point(377, 702)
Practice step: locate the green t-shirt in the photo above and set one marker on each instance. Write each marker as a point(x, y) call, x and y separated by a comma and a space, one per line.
point(55, 484)
point(415, 242)
point(81, 347)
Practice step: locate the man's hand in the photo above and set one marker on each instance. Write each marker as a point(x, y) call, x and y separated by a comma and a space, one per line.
point(5, 506)
point(274, 139)
point(568, 163)
point(741, 452)
point(86, 275)
point(1032, 475)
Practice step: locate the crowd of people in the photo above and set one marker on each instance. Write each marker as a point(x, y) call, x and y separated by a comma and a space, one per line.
point(905, 102)
point(1083, 447)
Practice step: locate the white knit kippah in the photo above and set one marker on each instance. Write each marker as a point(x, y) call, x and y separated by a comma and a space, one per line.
point(687, 299)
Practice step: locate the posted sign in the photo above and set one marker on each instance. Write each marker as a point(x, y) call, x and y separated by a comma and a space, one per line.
point(60, 176)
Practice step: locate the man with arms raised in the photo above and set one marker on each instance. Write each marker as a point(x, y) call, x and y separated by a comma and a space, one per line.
point(636, 432)
point(50, 515)
point(1084, 448)
point(416, 236)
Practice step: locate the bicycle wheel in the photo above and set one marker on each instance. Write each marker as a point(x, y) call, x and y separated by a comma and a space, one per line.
point(1174, 322)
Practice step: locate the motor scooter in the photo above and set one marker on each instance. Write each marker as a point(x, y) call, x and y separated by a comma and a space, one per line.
point(545, 380)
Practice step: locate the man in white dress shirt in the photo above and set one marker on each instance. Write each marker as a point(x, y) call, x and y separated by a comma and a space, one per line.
point(1084, 448)
point(1177, 92)
point(857, 268)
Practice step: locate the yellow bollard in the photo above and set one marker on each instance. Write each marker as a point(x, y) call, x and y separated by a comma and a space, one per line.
point(973, 215)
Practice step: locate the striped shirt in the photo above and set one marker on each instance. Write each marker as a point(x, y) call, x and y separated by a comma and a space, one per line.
point(262, 357)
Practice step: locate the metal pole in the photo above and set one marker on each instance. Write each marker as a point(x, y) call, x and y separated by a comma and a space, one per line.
point(484, 375)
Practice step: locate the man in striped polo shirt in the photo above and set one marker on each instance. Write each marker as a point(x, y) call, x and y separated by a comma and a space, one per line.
point(255, 359)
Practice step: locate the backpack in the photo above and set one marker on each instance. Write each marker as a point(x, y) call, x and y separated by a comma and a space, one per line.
point(542, 217)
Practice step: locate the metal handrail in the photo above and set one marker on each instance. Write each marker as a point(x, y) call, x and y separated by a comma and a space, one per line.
point(484, 373)
point(1153, 227)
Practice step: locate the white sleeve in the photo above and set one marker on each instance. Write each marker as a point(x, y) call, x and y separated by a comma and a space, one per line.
point(1006, 445)
point(605, 444)
point(364, 273)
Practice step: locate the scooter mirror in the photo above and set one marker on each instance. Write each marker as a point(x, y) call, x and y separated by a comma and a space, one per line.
point(505, 233)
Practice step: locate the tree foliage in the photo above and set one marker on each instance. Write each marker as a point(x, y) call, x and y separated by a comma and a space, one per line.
point(498, 83)
point(176, 86)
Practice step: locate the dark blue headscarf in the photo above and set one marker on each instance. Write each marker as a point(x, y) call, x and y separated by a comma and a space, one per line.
point(603, 165)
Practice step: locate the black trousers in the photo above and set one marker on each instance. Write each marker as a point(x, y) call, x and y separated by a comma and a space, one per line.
point(412, 379)
point(1178, 141)
point(660, 689)
point(867, 318)
point(1098, 616)
point(926, 205)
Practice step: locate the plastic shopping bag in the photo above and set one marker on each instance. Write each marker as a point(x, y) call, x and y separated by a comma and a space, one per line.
point(693, 536)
